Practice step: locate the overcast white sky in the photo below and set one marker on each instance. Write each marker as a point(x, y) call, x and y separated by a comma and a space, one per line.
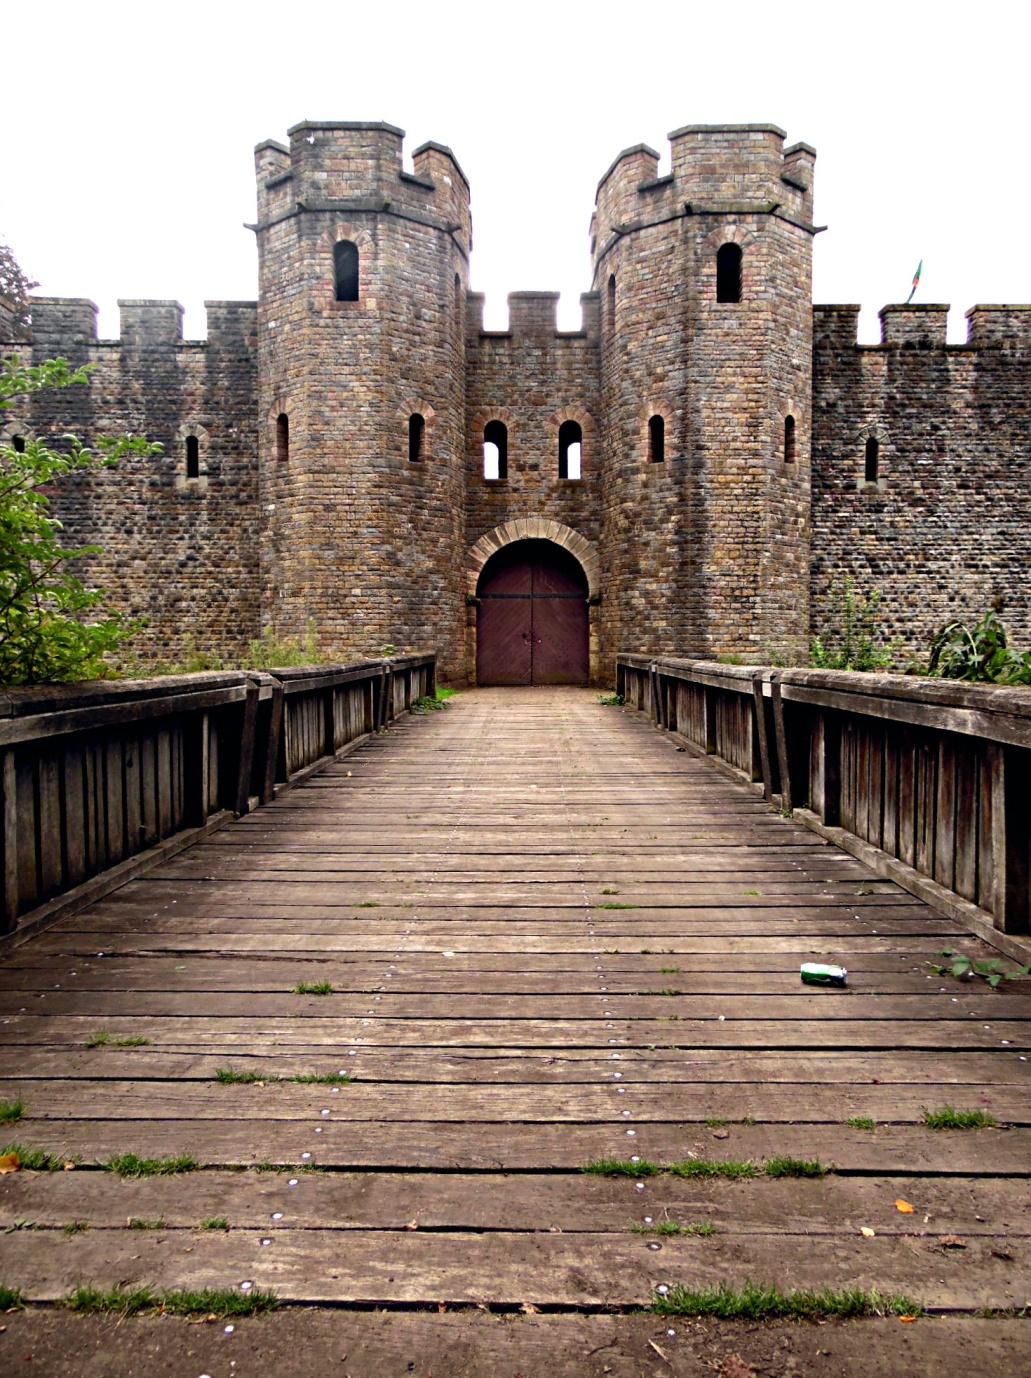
point(129, 129)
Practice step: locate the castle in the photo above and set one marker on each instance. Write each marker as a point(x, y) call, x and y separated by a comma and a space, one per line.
point(690, 472)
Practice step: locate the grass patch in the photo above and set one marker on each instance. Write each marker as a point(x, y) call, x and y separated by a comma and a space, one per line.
point(710, 1167)
point(218, 1301)
point(669, 971)
point(106, 1040)
point(948, 1117)
point(757, 1302)
point(617, 906)
point(10, 1299)
point(670, 991)
point(228, 1077)
point(322, 1079)
point(132, 1165)
point(76, 1227)
point(368, 904)
point(794, 1167)
point(621, 1167)
point(217, 1222)
point(91, 1301)
point(317, 987)
point(702, 1228)
point(34, 1159)
point(862, 1122)
point(611, 700)
point(137, 1224)
point(11, 1111)
point(715, 1122)
point(266, 1166)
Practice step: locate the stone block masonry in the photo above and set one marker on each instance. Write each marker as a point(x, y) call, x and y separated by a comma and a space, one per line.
point(741, 455)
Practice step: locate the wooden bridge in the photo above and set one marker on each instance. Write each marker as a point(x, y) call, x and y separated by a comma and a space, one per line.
point(535, 934)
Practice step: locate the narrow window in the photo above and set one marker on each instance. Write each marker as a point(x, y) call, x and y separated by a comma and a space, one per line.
point(192, 457)
point(345, 270)
point(570, 442)
point(656, 439)
point(282, 436)
point(612, 301)
point(872, 465)
point(18, 444)
point(416, 427)
point(728, 273)
point(789, 440)
point(495, 451)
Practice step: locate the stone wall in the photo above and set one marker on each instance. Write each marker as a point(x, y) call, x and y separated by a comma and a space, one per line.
point(945, 529)
point(180, 552)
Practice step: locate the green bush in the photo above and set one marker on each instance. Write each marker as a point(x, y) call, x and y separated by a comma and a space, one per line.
point(853, 642)
point(53, 628)
point(979, 653)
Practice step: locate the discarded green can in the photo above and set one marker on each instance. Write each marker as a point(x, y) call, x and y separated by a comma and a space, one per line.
point(816, 974)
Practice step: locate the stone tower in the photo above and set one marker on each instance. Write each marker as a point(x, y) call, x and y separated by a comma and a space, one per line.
point(704, 277)
point(363, 274)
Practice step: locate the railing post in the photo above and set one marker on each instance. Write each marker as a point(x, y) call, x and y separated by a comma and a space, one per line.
point(1009, 842)
point(329, 741)
point(431, 678)
point(621, 680)
point(783, 763)
point(275, 732)
point(709, 719)
point(9, 784)
point(828, 768)
point(247, 734)
point(759, 708)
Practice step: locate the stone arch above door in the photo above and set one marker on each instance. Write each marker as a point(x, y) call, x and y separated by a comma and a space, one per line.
point(535, 529)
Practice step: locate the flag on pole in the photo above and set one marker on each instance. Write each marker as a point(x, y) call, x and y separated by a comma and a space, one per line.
point(916, 280)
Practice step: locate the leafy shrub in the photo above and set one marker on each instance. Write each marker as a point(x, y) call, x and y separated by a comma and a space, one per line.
point(853, 641)
point(980, 653)
point(52, 629)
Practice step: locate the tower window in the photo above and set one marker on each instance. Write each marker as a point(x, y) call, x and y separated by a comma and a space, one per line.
point(495, 451)
point(656, 439)
point(728, 273)
point(612, 301)
point(570, 445)
point(192, 457)
point(871, 468)
point(789, 440)
point(282, 437)
point(18, 444)
point(345, 270)
point(416, 429)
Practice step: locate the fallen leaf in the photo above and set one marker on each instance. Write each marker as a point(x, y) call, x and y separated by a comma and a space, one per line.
point(952, 1241)
point(69, 1166)
point(903, 1207)
point(412, 1225)
point(528, 1309)
point(907, 1320)
point(9, 1162)
point(734, 1366)
point(866, 1232)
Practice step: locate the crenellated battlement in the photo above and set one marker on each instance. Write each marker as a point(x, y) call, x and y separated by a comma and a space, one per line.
point(62, 326)
point(534, 316)
point(923, 326)
point(348, 165)
point(723, 168)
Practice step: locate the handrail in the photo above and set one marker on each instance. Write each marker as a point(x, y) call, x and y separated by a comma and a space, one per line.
point(98, 780)
point(928, 781)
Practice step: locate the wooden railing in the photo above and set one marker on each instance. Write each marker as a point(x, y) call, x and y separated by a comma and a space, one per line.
point(929, 781)
point(97, 780)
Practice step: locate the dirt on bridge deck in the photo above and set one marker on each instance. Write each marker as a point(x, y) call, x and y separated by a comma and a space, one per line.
point(543, 937)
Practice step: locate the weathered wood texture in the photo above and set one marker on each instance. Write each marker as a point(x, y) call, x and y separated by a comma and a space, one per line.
point(550, 937)
point(935, 777)
point(91, 776)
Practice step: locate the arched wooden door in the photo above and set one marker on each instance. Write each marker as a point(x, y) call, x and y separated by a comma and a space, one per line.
point(531, 624)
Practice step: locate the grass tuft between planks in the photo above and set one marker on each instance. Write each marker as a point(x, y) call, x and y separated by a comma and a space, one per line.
point(315, 987)
point(621, 1167)
point(208, 1301)
point(132, 1165)
point(703, 1229)
point(10, 1298)
point(761, 1301)
point(948, 1117)
point(11, 1111)
point(21, 1157)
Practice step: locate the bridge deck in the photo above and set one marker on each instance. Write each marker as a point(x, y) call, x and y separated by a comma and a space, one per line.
point(551, 938)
